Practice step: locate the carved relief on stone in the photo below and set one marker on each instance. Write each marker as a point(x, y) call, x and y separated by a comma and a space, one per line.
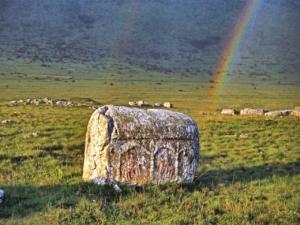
point(164, 167)
point(187, 160)
point(135, 165)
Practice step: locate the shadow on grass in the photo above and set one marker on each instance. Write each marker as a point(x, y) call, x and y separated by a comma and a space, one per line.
point(23, 200)
point(242, 174)
point(17, 160)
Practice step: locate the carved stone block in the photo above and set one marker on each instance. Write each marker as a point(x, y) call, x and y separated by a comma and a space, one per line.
point(137, 146)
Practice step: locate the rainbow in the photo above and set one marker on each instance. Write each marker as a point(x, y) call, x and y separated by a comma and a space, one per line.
point(231, 50)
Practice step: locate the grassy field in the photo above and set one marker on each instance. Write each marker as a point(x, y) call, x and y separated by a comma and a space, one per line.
point(113, 83)
point(119, 51)
point(249, 173)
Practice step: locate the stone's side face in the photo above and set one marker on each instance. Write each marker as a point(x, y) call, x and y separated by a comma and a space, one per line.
point(137, 146)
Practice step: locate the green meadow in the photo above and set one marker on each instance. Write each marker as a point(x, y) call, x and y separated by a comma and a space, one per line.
point(249, 171)
point(114, 83)
point(118, 51)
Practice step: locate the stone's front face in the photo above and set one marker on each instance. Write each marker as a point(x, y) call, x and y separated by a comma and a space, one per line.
point(137, 146)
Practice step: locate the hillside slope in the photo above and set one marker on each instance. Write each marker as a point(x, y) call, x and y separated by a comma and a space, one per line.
point(166, 36)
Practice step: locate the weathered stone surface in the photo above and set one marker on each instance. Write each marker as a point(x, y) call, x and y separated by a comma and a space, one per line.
point(137, 146)
point(253, 112)
point(230, 112)
point(276, 113)
point(296, 111)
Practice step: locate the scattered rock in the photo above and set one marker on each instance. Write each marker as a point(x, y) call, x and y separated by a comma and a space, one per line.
point(132, 103)
point(17, 113)
point(230, 112)
point(279, 113)
point(65, 103)
point(27, 101)
point(296, 111)
point(168, 105)
point(261, 112)
point(2, 196)
point(230, 135)
point(57, 102)
point(13, 103)
point(158, 104)
point(142, 103)
point(244, 135)
point(36, 102)
point(34, 134)
point(253, 112)
point(137, 146)
point(7, 122)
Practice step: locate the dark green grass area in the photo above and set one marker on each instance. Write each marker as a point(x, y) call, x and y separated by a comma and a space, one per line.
point(249, 173)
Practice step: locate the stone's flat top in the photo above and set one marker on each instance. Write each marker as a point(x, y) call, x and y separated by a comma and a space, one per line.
point(135, 123)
